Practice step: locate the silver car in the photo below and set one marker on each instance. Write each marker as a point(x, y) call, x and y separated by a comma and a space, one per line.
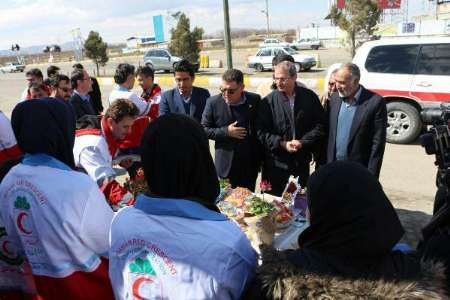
point(162, 60)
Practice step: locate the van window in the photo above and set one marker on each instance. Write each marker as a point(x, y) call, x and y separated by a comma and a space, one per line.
point(434, 60)
point(266, 52)
point(394, 59)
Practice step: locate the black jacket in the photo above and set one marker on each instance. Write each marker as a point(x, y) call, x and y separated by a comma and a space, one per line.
point(81, 106)
point(274, 125)
point(216, 118)
point(367, 138)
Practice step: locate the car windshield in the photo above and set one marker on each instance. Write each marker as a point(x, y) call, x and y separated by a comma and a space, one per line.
point(290, 50)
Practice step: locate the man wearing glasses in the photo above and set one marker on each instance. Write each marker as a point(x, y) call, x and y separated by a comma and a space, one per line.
point(185, 98)
point(80, 100)
point(290, 126)
point(229, 119)
point(61, 88)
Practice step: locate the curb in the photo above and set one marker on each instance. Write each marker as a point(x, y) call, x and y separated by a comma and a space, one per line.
point(215, 81)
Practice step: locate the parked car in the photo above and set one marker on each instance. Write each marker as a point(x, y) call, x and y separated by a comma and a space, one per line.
point(306, 44)
point(11, 67)
point(263, 59)
point(412, 75)
point(273, 43)
point(162, 60)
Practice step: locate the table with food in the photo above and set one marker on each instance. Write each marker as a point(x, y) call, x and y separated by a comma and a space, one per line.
point(266, 219)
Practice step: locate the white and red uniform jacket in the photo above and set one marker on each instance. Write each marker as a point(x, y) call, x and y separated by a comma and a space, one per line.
point(123, 93)
point(93, 151)
point(8, 144)
point(60, 221)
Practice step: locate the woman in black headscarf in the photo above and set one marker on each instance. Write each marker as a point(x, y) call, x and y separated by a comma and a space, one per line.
point(56, 216)
point(209, 256)
point(45, 126)
point(347, 249)
point(177, 162)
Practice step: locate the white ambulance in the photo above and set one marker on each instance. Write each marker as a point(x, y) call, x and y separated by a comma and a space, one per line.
point(411, 74)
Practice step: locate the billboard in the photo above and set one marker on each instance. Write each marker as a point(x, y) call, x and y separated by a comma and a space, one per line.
point(383, 4)
point(389, 4)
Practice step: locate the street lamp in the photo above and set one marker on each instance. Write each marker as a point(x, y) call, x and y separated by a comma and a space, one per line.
point(266, 12)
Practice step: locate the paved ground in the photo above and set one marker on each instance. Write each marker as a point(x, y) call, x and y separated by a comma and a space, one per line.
point(407, 175)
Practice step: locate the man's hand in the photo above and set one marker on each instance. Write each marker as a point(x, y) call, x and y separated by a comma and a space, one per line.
point(292, 146)
point(126, 163)
point(236, 132)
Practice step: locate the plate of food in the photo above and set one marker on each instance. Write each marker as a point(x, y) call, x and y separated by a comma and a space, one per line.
point(283, 216)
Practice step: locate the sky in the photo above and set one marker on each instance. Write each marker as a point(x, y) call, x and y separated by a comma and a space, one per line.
point(40, 22)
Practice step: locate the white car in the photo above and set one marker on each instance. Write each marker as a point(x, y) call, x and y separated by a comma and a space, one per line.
point(273, 43)
point(306, 44)
point(263, 59)
point(411, 74)
point(11, 67)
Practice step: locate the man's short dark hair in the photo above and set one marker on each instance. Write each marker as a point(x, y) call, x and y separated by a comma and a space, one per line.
point(77, 74)
point(38, 86)
point(282, 57)
point(52, 71)
point(78, 66)
point(122, 73)
point(120, 109)
point(55, 80)
point(146, 71)
point(233, 75)
point(184, 66)
point(34, 72)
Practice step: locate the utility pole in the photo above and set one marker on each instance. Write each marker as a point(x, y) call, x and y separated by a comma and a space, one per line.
point(267, 18)
point(226, 17)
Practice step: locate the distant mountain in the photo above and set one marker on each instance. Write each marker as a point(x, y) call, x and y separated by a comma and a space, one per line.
point(36, 49)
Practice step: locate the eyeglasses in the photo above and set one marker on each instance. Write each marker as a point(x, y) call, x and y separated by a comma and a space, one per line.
point(281, 80)
point(229, 91)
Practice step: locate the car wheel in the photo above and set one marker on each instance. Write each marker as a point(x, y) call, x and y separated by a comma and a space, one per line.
point(259, 67)
point(404, 123)
point(298, 67)
point(315, 47)
point(150, 65)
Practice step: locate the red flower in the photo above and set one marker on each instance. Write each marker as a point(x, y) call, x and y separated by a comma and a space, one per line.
point(265, 186)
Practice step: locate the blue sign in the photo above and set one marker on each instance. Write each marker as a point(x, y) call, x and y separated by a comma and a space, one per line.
point(158, 27)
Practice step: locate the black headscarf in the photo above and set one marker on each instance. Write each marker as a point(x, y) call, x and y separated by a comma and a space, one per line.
point(45, 126)
point(177, 162)
point(353, 225)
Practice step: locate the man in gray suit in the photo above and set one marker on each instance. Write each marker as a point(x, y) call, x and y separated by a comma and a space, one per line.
point(229, 119)
point(185, 99)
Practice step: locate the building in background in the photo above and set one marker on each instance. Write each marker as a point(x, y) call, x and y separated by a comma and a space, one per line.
point(160, 35)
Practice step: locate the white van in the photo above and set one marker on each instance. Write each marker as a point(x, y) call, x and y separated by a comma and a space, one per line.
point(411, 74)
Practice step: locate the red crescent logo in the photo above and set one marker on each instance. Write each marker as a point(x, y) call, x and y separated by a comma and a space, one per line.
point(19, 222)
point(5, 248)
point(137, 284)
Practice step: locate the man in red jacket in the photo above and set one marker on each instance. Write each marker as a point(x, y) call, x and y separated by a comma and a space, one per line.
point(97, 144)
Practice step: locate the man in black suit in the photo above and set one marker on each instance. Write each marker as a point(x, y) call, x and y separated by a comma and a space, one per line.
point(185, 99)
point(357, 122)
point(229, 119)
point(290, 125)
point(94, 93)
point(80, 100)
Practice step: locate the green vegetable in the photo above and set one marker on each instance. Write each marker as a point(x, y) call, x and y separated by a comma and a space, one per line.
point(224, 183)
point(258, 207)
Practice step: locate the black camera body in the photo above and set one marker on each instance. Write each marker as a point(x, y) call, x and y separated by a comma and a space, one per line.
point(437, 142)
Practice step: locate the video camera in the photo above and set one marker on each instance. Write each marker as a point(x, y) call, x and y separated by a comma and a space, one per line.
point(437, 142)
